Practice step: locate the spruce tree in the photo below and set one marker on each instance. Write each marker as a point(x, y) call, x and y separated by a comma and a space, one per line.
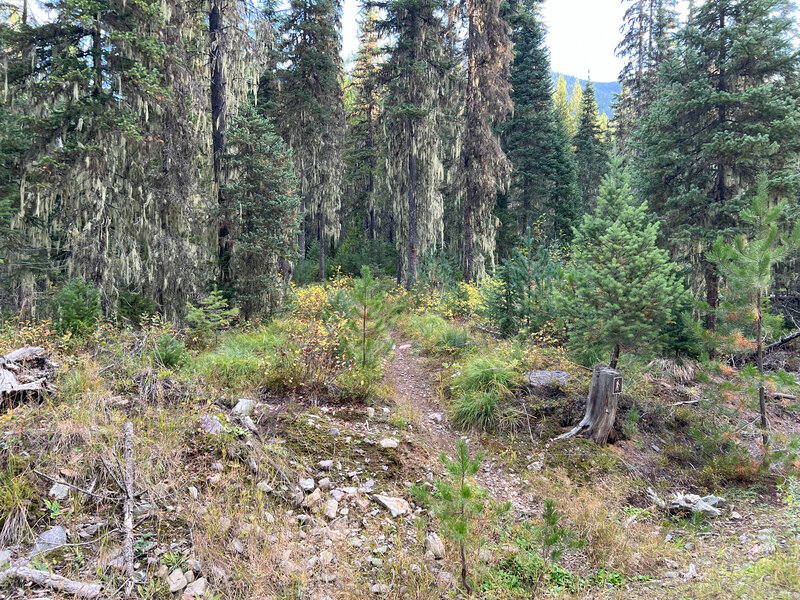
point(543, 181)
point(747, 267)
point(416, 72)
point(263, 211)
point(575, 107)
point(726, 110)
point(487, 103)
point(310, 115)
point(624, 285)
point(591, 155)
point(561, 103)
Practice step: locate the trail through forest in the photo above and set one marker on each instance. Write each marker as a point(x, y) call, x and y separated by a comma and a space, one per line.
point(415, 385)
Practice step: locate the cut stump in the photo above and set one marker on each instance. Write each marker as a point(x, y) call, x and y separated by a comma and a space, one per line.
point(601, 407)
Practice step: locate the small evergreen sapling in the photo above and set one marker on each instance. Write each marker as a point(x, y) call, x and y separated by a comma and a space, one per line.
point(623, 286)
point(212, 314)
point(369, 318)
point(747, 266)
point(458, 503)
point(553, 538)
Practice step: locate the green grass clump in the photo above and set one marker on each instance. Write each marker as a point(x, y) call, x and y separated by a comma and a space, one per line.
point(240, 361)
point(482, 391)
point(452, 339)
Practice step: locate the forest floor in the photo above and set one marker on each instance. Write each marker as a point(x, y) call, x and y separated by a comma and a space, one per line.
point(250, 485)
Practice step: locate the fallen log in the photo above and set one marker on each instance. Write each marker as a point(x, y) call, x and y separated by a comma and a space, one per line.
point(25, 371)
point(52, 581)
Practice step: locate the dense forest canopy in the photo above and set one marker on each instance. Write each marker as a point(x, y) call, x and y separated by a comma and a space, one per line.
point(160, 150)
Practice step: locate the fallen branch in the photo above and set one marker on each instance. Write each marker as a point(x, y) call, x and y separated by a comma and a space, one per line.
point(782, 341)
point(127, 547)
point(73, 486)
point(687, 402)
point(53, 581)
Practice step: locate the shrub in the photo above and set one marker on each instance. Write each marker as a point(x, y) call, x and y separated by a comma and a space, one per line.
point(77, 307)
point(211, 315)
point(482, 389)
point(169, 350)
point(134, 307)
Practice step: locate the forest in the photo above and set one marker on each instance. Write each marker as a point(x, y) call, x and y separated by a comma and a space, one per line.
point(420, 322)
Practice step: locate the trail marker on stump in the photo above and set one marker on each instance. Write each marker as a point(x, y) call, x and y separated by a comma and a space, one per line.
point(601, 406)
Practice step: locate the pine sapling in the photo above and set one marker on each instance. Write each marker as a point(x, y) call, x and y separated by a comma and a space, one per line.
point(458, 504)
point(553, 537)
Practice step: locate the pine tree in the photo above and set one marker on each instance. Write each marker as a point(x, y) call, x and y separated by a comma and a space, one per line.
point(747, 267)
point(591, 156)
point(561, 104)
point(416, 73)
point(575, 107)
point(726, 110)
point(260, 193)
point(310, 115)
point(487, 103)
point(624, 285)
point(543, 181)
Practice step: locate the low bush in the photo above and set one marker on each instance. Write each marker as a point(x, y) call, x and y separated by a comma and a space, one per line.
point(169, 350)
point(77, 307)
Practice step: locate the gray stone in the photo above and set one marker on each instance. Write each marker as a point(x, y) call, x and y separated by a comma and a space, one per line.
point(307, 484)
point(210, 424)
point(162, 572)
point(5, 556)
point(313, 498)
point(434, 543)
point(52, 538)
point(243, 407)
point(396, 506)
point(197, 589)
point(325, 465)
point(237, 546)
point(324, 483)
point(189, 574)
point(389, 443)
point(264, 486)
point(542, 378)
point(59, 491)
point(437, 417)
point(176, 581)
point(331, 507)
point(269, 518)
point(380, 588)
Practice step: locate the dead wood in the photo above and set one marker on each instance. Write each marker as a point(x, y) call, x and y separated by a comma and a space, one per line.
point(128, 475)
point(52, 581)
point(601, 407)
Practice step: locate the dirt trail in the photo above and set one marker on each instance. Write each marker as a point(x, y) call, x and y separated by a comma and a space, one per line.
point(414, 380)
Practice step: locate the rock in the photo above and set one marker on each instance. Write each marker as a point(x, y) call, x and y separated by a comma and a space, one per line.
point(331, 508)
point(162, 572)
point(176, 581)
point(197, 589)
point(59, 491)
point(334, 431)
point(396, 506)
point(370, 412)
point(445, 580)
point(189, 574)
point(337, 494)
point(389, 443)
point(380, 588)
point(5, 556)
point(313, 498)
point(535, 466)
point(269, 518)
point(434, 543)
point(436, 417)
point(307, 484)
point(237, 546)
point(243, 407)
point(193, 492)
point(327, 577)
point(303, 519)
point(325, 465)
point(264, 486)
point(210, 424)
point(375, 561)
point(670, 575)
point(325, 558)
point(542, 378)
point(52, 538)
point(324, 483)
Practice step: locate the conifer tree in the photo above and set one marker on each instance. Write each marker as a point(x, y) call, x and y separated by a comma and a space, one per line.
point(543, 181)
point(310, 114)
point(260, 193)
point(591, 156)
point(487, 103)
point(416, 73)
point(747, 267)
point(624, 285)
point(726, 110)
point(561, 103)
point(575, 107)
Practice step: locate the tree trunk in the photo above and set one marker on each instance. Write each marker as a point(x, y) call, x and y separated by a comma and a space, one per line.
point(301, 235)
point(321, 220)
point(614, 356)
point(762, 403)
point(411, 276)
point(601, 407)
point(216, 34)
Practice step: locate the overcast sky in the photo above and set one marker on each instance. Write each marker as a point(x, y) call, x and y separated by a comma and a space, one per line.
point(582, 35)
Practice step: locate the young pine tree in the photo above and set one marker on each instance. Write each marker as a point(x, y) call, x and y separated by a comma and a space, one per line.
point(369, 320)
point(458, 503)
point(747, 267)
point(624, 286)
point(591, 155)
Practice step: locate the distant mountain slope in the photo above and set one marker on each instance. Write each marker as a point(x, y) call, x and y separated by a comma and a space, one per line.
point(604, 91)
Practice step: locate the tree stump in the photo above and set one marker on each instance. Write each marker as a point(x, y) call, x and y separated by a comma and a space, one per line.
point(601, 406)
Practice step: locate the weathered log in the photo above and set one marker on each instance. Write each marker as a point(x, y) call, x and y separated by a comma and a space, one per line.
point(128, 476)
point(601, 407)
point(25, 354)
point(23, 371)
point(53, 581)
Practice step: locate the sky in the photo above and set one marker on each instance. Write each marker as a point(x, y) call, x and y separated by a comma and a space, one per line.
point(582, 35)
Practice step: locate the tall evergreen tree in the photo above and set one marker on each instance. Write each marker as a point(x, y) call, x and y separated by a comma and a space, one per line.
point(365, 147)
point(416, 71)
point(543, 181)
point(591, 155)
point(575, 106)
point(624, 287)
point(561, 102)
point(647, 26)
point(725, 111)
point(487, 103)
point(310, 115)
